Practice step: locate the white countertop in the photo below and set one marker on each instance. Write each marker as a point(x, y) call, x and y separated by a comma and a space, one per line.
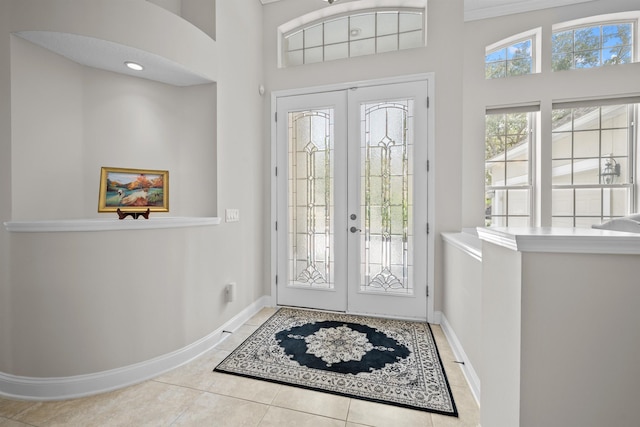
point(562, 240)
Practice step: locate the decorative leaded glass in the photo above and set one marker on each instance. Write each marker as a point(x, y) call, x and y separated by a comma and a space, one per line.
point(386, 197)
point(311, 198)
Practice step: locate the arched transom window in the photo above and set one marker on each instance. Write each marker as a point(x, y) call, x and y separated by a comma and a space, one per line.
point(357, 34)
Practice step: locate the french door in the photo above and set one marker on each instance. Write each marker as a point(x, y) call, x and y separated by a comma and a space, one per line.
point(351, 203)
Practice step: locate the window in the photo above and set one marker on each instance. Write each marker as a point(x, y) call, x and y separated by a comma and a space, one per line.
point(364, 33)
point(508, 183)
point(592, 163)
point(593, 46)
point(514, 56)
point(512, 60)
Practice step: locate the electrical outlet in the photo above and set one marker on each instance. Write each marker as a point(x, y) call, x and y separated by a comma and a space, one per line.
point(230, 291)
point(232, 215)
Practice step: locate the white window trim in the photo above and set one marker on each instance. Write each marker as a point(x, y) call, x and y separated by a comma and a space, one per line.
point(532, 108)
point(535, 35)
point(610, 18)
point(344, 9)
point(634, 147)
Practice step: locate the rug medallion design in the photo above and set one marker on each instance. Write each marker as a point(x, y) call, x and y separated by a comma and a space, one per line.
point(383, 360)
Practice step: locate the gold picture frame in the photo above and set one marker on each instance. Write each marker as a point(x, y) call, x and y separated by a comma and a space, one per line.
point(133, 190)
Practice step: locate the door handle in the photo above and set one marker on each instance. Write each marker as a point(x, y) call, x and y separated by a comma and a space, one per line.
point(354, 229)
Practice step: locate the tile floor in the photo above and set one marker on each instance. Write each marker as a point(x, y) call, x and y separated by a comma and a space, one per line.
point(193, 395)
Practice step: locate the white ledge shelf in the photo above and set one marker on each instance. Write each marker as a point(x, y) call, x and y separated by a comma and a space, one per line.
point(110, 224)
point(466, 242)
point(563, 240)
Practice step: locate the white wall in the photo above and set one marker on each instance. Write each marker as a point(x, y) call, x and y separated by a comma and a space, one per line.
point(87, 118)
point(559, 336)
point(579, 340)
point(5, 187)
point(444, 17)
point(501, 325)
point(462, 299)
point(243, 150)
point(172, 6)
point(201, 13)
point(103, 300)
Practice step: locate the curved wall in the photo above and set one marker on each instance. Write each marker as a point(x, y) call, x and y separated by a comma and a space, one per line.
point(69, 120)
point(78, 304)
point(138, 24)
point(94, 301)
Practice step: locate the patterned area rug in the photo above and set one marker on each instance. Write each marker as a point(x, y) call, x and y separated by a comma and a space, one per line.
point(382, 360)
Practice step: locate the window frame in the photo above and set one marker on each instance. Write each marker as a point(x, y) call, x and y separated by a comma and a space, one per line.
point(533, 112)
point(632, 159)
point(600, 49)
point(284, 37)
point(534, 35)
point(632, 17)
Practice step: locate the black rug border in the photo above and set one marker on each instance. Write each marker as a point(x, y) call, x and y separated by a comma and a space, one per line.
point(337, 393)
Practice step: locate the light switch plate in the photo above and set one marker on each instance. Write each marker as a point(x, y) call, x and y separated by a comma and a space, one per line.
point(232, 215)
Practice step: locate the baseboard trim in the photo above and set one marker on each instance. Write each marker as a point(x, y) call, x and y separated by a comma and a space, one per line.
point(469, 372)
point(59, 388)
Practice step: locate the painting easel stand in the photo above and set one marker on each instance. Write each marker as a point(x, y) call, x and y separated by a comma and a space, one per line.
point(134, 215)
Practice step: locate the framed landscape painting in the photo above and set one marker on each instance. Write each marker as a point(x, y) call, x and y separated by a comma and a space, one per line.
point(133, 190)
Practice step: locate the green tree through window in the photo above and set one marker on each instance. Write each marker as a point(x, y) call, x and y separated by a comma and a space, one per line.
point(507, 178)
point(511, 60)
point(592, 46)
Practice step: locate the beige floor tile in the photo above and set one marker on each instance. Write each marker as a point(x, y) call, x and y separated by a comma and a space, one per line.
point(468, 410)
point(42, 413)
point(153, 404)
point(244, 388)
point(194, 395)
point(261, 316)
point(376, 414)
point(454, 372)
point(444, 421)
point(246, 330)
point(197, 374)
point(4, 422)
point(313, 402)
point(147, 404)
point(10, 408)
point(455, 376)
point(281, 417)
point(232, 341)
point(221, 411)
point(437, 330)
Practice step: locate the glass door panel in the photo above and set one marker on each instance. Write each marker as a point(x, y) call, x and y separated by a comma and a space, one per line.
point(352, 195)
point(388, 190)
point(311, 158)
point(310, 181)
point(386, 202)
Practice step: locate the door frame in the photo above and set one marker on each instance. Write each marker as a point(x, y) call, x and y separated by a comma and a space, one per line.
point(430, 79)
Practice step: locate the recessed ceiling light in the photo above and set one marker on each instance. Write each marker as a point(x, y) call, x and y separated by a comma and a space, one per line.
point(134, 66)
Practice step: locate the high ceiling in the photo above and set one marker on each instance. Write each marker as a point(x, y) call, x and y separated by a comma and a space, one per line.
point(481, 9)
